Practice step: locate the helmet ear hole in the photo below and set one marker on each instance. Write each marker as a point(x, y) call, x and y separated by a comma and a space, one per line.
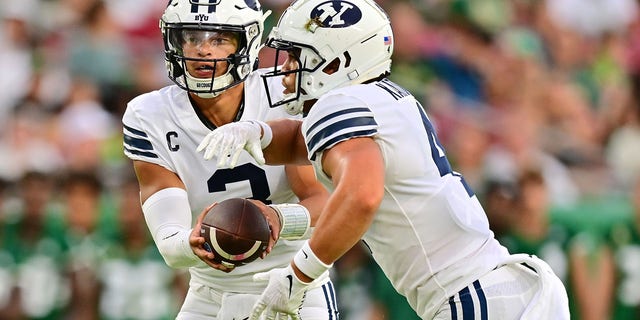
point(332, 67)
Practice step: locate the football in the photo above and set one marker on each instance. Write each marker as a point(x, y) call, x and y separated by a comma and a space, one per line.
point(235, 231)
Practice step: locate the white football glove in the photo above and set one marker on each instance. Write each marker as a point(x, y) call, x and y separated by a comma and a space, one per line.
point(227, 142)
point(283, 296)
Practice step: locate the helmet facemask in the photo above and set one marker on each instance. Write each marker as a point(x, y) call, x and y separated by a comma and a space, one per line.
point(238, 65)
point(308, 60)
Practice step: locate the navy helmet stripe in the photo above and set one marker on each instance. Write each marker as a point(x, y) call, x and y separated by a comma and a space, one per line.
point(211, 7)
point(346, 136)
point(137, 143)
point(194, 6)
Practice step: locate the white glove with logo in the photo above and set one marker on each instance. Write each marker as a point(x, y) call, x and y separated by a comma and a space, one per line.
point(227, 142)
point(283, 296)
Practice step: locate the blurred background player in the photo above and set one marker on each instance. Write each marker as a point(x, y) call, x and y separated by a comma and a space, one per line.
point(135, 282)
point(211, 52)
point(32, 253)
point(88, 236)
point(624, 238)
point(372, 143)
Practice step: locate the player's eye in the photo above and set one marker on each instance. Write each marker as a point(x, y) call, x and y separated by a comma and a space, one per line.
point(218, 40)
point(214, 38)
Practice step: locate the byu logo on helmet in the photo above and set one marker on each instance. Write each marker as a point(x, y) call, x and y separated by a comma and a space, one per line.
point(336, 14)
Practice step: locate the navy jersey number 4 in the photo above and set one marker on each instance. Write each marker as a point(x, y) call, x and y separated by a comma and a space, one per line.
point(437, 151)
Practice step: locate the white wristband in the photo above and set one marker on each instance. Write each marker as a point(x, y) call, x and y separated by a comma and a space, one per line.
point(267, 133)
point(294, 219)
point(308, 263)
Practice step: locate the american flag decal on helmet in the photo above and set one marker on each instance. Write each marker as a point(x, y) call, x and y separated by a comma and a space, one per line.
point(387, 40)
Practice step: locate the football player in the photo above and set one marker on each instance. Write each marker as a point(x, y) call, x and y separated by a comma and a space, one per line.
point(211, 53)
point(374, 146)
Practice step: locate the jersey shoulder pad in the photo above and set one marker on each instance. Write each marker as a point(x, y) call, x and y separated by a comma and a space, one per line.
point(335, 118)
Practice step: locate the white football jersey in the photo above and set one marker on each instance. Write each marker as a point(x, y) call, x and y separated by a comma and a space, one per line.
point(162, 127)
point(430, 235)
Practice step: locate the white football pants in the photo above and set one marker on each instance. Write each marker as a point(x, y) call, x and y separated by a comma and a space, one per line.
point(523, 288)
point(204, 303)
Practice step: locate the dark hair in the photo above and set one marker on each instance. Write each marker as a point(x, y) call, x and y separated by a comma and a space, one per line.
point(530, 176)
point(86, 178)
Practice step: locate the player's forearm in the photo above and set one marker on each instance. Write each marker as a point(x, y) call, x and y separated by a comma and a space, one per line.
point(341, 225)
point(311, 193)
point(296, 220)
point(168, 218)
point(315, 204)
point(594, 290)
point(336, 233)
point(287, 145)
point(356, 167)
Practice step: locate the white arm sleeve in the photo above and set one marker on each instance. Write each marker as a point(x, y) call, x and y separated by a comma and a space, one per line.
point(169, 218)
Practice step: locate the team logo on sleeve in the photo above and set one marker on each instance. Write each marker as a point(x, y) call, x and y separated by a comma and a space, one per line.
point(336, 14)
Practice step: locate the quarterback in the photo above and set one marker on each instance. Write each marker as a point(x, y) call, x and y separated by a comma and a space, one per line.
point(211, 50)
point(372, 144)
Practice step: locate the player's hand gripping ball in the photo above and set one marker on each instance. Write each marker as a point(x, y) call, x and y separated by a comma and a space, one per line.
point(235, 231)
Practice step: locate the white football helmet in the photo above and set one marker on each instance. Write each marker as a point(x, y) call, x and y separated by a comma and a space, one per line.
point(356, 33)
point(244, 18)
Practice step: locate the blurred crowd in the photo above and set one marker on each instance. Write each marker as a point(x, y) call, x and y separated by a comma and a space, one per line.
point(536, 102)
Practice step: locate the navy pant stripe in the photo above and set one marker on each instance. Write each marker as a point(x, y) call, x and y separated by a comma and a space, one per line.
point(330, 298)
point(333, 298)
point(454, 311)
point(482, 299)
point(466, 301)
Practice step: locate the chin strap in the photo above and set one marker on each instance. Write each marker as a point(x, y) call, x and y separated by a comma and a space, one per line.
point(218, 83)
